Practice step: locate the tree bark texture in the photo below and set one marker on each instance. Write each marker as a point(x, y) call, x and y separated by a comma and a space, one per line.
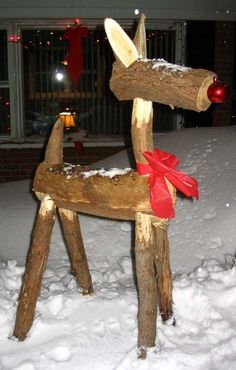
point(165, 83)
point(119, 197)
point(146, 280)
point(76, 251)
point(141, 129)
point(35, 267)
point(163, 270)
point(142, 112)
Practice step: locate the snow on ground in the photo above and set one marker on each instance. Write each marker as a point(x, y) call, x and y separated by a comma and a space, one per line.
point(71, 331)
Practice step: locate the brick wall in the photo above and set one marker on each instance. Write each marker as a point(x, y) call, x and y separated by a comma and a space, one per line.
point(19, 164)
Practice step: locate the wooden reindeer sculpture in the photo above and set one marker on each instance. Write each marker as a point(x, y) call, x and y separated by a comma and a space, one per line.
point(72, 189)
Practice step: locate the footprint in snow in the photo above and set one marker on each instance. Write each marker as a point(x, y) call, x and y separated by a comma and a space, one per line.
point(61, 353)
point(129, 323)
point(114, 326)
point(99, 328)
point(215, 243)
point(26, 365)
point(210, 214)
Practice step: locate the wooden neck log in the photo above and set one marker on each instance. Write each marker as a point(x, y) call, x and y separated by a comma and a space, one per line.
point(162, 82)
point(142, 112)
point(141, 129)
point(126, 52)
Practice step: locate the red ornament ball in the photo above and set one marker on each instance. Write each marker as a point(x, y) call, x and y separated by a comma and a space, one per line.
point(218, 92)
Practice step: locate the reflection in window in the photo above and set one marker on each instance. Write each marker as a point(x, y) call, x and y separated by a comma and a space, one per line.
point(48, 90)
point(3, 56)
point(4, 89)
point(4, 111)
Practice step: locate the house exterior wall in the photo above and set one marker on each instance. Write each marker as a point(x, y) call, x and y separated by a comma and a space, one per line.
point(18, 164)
point(161, 9)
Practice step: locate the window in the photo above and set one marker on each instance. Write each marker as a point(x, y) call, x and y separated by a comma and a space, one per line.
point(32, 96)
point(48, 90)
point(4, 87)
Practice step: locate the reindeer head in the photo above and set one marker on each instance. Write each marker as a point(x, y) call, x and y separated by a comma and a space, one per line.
point(135, 76)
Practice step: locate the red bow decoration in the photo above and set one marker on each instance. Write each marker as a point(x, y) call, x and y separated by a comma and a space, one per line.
point(162, 165)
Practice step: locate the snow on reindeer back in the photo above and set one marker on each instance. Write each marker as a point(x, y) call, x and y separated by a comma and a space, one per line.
point(159, 63)
point(107, 173)
point(162, 64)
point(71, 170)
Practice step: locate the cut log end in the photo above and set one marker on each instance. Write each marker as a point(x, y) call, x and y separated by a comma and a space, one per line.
point(202, 101)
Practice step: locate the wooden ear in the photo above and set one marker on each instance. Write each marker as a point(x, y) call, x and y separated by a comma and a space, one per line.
point(122, 46)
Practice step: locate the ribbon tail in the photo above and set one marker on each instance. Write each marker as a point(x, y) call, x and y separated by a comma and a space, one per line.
point(186, 184)
point(160, 199)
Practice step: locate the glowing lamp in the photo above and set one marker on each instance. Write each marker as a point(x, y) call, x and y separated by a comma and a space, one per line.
point(59, 76)
point(218, 92)
point(68, 119)
point(65, 62)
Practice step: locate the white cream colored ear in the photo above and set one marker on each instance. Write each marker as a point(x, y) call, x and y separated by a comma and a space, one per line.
point(122, 46)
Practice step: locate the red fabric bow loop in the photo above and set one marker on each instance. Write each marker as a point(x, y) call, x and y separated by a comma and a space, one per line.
point(162, 165)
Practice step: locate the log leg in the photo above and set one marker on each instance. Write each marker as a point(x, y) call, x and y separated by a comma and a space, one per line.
point(76, 251)
point(164, 276)
point(147, 288)
point(35, 267)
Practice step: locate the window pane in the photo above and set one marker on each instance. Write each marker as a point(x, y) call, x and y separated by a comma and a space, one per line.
point(45, 96)
point(49, 91)
point(3, 56)
point(4, 111)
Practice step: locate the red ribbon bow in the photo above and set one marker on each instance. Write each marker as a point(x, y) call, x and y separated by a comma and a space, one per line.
point(162, 165)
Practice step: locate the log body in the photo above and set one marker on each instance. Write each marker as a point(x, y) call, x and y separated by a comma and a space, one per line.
point(162, 82)
point(117, 198)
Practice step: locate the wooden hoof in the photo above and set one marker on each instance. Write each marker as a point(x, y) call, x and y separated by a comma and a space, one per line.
point(166, 315)
point(170, 320)
point(20, 336)
point(87, 291)
point(142, 353)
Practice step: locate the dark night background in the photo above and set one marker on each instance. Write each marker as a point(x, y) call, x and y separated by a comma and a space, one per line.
point(200, 53)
